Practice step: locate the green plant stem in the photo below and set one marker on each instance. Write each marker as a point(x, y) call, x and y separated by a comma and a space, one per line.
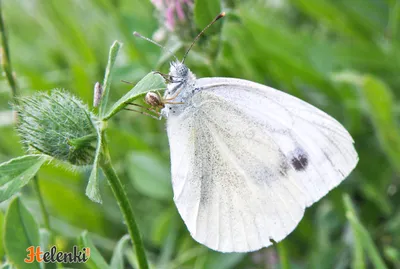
point(5, 57)
point(283, 255)
point(124, 205)
point(6, 65)
point(41, 203)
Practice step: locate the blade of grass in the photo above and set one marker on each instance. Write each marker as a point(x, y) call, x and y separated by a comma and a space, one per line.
point(363, 236)
point(359, 259)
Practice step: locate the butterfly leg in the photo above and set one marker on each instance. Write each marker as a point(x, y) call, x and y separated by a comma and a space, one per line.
point(144, 113)
point(151, 109)
point(174, 103)
point(167, 77)
point(174, 96)
point(127, 82)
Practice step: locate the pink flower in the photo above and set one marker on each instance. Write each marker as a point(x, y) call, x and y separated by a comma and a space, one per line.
point(158, 4)
point(169, 18)
point(172, 10)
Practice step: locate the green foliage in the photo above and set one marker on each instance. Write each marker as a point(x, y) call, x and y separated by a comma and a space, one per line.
point(1, 234)
point(379, 102)
point(17, 172)
point(93, 188)
point(362, 239)
point(145, 166)
point(151, 82)
point(300, 47)
point(20, 232)
point(96, 260)
point(107, 77)
point(117, 260)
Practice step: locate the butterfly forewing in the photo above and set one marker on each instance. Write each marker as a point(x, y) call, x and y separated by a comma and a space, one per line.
point(248, 159)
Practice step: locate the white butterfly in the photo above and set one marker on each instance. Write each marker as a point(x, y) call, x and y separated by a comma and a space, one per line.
point(247, 159)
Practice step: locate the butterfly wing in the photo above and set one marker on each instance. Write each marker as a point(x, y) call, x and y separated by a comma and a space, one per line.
point(248, 159)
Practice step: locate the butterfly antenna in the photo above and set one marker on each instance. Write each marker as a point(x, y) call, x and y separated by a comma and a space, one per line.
point(221, 15)
point(155, 43)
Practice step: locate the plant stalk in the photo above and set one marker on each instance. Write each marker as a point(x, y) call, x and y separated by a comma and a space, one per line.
point(283, 255)
point(6, 66)
point(5, 57)
point(45, 214)
point(124, 205)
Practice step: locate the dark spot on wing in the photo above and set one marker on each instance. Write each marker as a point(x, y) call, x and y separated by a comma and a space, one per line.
point(299, 159)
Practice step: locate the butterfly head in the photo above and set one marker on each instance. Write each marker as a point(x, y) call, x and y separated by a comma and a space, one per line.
point(178, 71)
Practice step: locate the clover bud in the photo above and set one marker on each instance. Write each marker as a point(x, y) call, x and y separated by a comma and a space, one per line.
point(59, 125)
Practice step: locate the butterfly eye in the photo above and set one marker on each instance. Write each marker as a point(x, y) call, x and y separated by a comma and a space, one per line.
point(182, 70)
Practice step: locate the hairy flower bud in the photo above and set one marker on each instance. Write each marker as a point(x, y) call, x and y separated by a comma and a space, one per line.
point(59, 125)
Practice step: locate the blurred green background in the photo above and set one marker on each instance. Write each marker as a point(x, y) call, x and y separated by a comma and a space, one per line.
point(342, 56)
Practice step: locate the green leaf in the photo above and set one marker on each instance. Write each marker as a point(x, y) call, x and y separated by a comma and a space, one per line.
point(112, 56)
point(167, 232)
point(151, 82)
point(93, 188)
point(117, 260)
point(1, 234)
point(332, 15)
point(96, 260)
point(205, 11)
point(363, 237)
point(392, 254)
point(379, 100)
point(358, 256)
point(45, 244)
point(379, 106)
point(17, 172)
point(20, 232)
point(150, 175)
point(45, 238)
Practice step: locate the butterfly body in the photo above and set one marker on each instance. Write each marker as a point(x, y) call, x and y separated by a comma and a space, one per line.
point(180, 90)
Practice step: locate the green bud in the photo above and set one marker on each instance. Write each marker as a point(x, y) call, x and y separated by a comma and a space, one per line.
point(59, 125)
